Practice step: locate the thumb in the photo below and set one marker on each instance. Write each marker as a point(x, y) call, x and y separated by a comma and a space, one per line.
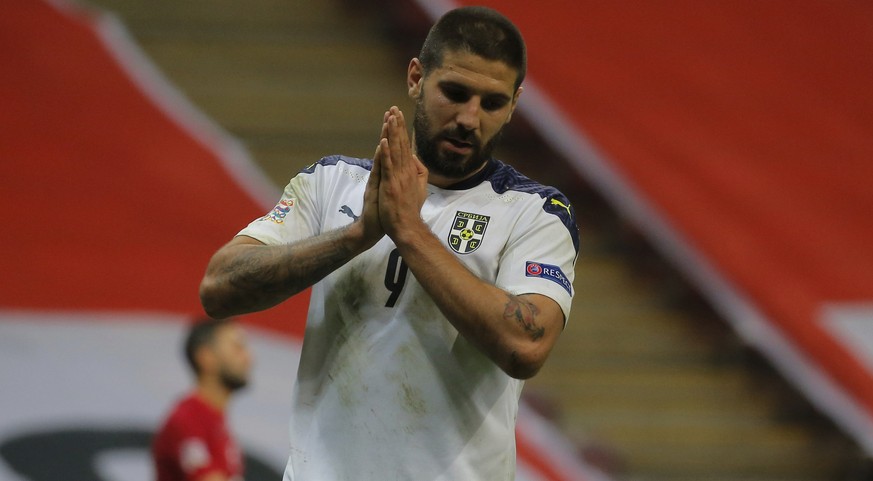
point(375, 171)
point(422, 171)
point(420, 167)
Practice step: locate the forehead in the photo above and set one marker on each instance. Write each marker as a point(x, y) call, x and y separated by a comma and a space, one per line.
point(229, 333)
point(475, 72)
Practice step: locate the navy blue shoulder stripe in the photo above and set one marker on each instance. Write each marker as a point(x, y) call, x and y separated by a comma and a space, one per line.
point(502, 177)
point(505, 178)
point(335, 159)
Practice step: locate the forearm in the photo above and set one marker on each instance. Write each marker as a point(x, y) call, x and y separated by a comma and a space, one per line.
point(245, 276)
point(509, 329)
point(515, 332)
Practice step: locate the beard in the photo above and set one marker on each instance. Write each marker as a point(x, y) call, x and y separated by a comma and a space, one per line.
point(232, 381)
point(449, 164)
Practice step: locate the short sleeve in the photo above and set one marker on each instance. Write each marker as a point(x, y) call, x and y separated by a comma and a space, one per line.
point(295, 216)
point(195, 457)
point(541, 255)
point(200, 450)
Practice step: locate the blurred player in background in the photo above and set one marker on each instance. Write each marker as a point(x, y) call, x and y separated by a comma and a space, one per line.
point(195, 444)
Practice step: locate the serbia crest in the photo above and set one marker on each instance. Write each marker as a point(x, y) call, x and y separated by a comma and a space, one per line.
point(467, 232)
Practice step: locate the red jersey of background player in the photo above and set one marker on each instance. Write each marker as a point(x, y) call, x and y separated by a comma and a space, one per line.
point(195, 442)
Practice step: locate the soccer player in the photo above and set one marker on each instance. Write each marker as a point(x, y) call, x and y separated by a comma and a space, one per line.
point(194, 444)
point(441, 277)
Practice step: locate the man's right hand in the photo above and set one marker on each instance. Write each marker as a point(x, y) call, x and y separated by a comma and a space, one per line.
point(246, 276)
point(371, 223)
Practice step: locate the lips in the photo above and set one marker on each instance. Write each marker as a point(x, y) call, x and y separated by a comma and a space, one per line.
point(458, 145)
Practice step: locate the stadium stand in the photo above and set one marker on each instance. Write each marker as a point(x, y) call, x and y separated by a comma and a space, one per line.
point(648, 378)
point(664, 390)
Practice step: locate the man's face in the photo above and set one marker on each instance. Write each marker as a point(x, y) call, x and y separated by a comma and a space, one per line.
point(461, 109)
point(234, 360)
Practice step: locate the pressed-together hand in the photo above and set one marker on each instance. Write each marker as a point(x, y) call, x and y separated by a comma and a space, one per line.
point(372, 225)
point(516, 332)
point(402, 178)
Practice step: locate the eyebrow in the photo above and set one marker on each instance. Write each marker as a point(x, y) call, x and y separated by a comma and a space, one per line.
point(491, 95)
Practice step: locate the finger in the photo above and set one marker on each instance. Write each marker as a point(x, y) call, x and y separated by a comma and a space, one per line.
point(381, 149)
point(403, 133)
point(377, 166)
point(401, 121)
point(395, 143)
point(419, 165)
point(384, 133)
point(385, 164)
point(397, 135)
point(422, 171)
point(373, 181)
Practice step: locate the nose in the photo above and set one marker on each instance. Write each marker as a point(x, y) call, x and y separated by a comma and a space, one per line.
point(245, 356)
point(468, 114)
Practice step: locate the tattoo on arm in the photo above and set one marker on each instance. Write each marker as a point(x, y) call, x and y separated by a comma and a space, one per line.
point(524, 313)
point(266, 276)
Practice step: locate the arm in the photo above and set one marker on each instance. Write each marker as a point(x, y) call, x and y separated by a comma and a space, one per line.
point(516, 332)
point(245, 275)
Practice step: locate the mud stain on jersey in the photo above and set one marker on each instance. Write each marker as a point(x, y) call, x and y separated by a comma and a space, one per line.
point(463, 370)
point(411, 397)
point(413, 401)
point(346, 349)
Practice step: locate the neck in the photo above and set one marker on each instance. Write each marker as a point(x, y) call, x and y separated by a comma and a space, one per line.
point(443, 182)
point(211, 391)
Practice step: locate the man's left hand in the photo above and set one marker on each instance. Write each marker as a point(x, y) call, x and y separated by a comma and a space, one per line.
point(403, 180)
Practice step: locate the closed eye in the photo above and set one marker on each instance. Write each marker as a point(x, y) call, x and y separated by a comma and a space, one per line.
point(460, 94)
point(494, 102)
point(455, 93)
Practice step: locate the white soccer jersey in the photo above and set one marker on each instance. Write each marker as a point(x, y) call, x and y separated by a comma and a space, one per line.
point(387, 389)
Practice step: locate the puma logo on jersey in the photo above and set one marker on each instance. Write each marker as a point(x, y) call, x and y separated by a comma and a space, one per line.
point(348, 211)
point(561, 204)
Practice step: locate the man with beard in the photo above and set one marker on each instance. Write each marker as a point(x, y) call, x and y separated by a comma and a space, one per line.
point(441, 277)
point(194, 444)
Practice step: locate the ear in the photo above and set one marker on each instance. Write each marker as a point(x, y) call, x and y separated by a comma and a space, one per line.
point(414, 78)
point(514, 102)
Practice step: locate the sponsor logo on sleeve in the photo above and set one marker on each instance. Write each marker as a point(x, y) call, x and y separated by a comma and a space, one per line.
point(467, 232)
point(279, 212)
point(550, 272)
point(193, 454)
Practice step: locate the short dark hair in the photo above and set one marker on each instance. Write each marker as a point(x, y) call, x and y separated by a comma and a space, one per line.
point(201, 333)
point(478, 30)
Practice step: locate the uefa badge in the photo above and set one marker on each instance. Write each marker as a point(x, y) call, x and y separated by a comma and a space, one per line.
point(279, 212)
point(467, 232)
